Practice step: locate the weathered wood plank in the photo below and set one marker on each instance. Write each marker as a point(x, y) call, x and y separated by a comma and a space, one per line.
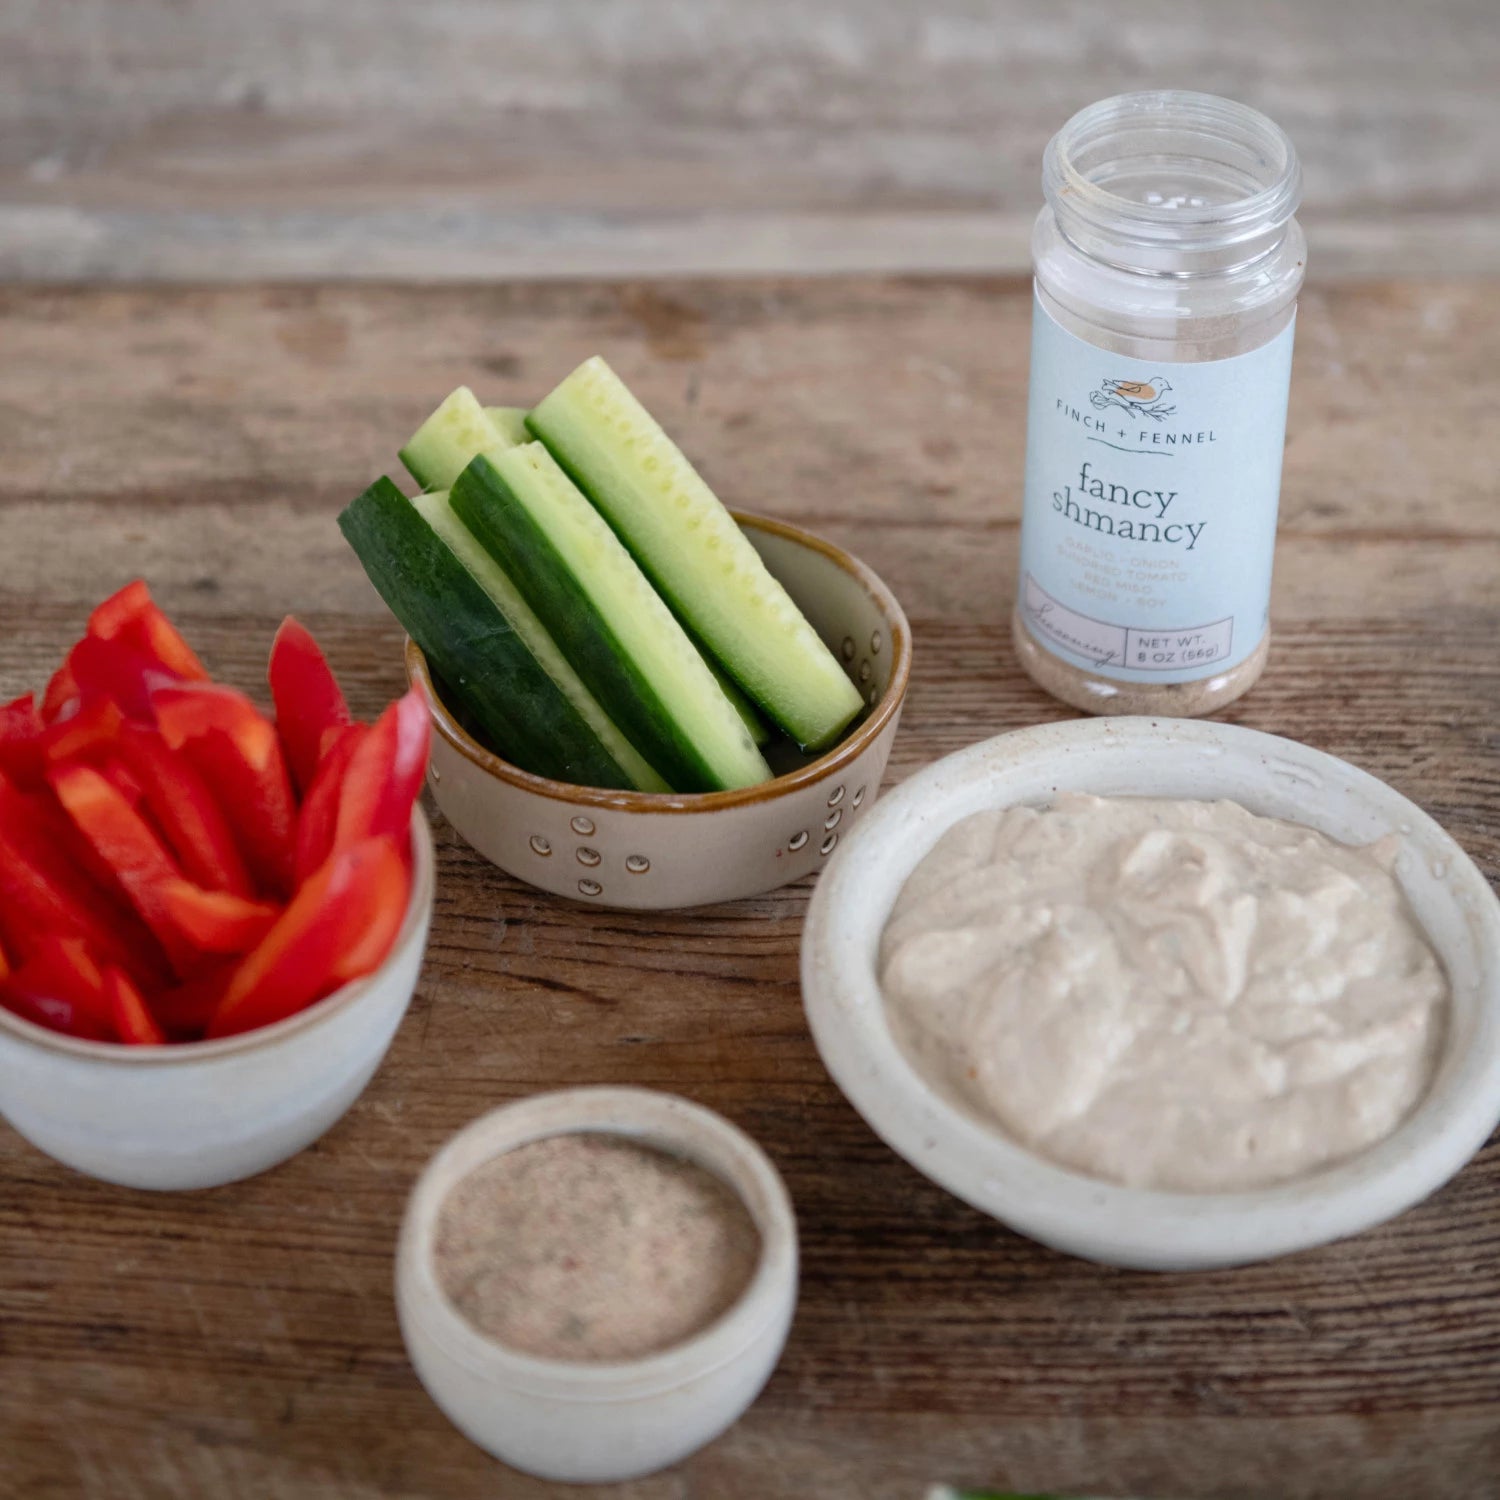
point(243, 1342)
point(184, 139)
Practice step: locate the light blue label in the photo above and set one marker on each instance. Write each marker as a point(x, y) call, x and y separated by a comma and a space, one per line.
point(1150, 516)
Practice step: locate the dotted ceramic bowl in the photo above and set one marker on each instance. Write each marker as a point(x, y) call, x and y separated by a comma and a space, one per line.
point(653, 851)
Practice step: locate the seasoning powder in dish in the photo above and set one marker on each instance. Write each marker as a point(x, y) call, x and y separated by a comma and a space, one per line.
point(1166, 994)
point(592, 1247)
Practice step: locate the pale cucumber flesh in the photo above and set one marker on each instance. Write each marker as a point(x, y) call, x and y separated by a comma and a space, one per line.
point(437, 510)
point(690, 547)
point(440, 449)
point(760, 731)
point(493, 678)
point(611, 624)
point(509, 422)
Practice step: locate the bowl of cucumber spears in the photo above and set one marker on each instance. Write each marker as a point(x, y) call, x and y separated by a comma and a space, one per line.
point(638, 698)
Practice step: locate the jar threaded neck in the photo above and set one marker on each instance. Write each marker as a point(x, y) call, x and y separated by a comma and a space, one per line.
point(1170, 182)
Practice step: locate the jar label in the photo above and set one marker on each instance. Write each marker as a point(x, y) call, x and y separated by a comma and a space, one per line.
point(1150, 513)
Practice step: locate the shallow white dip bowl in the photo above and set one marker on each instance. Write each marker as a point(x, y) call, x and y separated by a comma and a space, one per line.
point(198, 1114)
point(1143, 757)
point(592, 1422)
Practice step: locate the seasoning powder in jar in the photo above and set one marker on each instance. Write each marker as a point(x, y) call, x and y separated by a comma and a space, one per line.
point(1167, 268)
point(593, 1247)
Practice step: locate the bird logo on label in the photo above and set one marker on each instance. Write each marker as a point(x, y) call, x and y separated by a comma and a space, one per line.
point(1140, 398)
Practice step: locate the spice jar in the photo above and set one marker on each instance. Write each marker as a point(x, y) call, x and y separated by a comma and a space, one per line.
point(1167, 265)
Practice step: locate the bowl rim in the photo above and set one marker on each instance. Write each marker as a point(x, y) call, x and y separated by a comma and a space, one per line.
point(659, 1120)
point(1106, 1221)
point(843, 754)
point(176, 1054)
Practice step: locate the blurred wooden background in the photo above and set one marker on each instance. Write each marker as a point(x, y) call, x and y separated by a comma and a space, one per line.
point(204, 139)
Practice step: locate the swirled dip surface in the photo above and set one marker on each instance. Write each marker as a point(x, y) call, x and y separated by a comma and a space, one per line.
point(1166, 994)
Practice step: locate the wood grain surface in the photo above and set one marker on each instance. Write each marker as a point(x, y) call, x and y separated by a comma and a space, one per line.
point(243, 1342)
point(172, 139)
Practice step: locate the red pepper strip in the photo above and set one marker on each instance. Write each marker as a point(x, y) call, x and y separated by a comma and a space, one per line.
point(309, 702)
point(44, 889)
point(61, 986)
point(308, 952)
point(132, 1021)
point(318, 816)
point(369, 949)
point(131, 615)
point(184, 1010)
point(128, 843)
point(123, 780)
point(216, 921)
point(4, 967)
point(184, 809)
point(21, 741)
point(87, 734)
point(112, 672)
point(43, 833)
point(237, 750)
point(61, 696)
point(385, 776)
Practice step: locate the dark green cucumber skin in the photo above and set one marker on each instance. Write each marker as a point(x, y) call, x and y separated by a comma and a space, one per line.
point(504, 527)
point(470, 645)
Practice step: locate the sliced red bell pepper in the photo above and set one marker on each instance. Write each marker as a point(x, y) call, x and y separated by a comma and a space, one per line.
point(318, 816)
point(381, 925)
point(385, 776)
point(237, 750)
point(184, 1009)
point(45, 888)
point(130, 846)
point(348, 912)
point(217, 921)
point(309, 702)
point(87, 734)
point(123, 780)
point(21, 740)
point(4, 966)
point(62, 986)
point(184, 808)
point(129, 1014)
point(35, 823)
point(132, 616)
point(112, 671)
point(45, 825)
point(61, 696)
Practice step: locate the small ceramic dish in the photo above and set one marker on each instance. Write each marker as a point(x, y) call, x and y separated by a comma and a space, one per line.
point(198, 1114)
point(654, 851)
point(592, 1422)
point(1155, 758)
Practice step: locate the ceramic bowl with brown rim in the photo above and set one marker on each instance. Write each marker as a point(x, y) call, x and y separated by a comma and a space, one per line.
point(200, 1114)
point(652, 851)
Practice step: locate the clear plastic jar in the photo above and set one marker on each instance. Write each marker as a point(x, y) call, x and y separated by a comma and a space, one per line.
point(1167, 265)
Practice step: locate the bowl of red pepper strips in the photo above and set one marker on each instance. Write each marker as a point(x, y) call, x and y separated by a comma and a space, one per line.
point(211, 918)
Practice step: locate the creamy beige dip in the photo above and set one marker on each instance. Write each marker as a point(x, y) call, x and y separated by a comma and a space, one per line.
point(1167, 994)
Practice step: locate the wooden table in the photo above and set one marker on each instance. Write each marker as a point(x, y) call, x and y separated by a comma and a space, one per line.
point(243, 1342)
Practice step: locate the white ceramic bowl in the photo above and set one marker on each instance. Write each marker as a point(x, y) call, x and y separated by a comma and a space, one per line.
point(652, 852)
point(1158, 758)
point(198, 1114)
point(588, 1423)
